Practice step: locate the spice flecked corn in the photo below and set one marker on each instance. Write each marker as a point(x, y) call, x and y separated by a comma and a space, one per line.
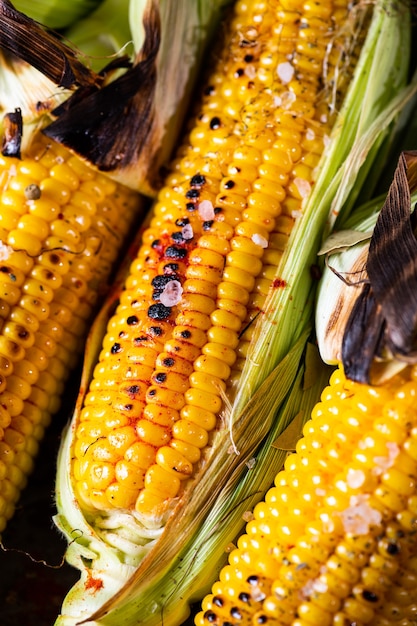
point(334, 540)
point(178, 340)
point(62, 225)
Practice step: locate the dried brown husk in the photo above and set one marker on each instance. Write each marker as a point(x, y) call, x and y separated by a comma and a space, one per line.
point(383, 321)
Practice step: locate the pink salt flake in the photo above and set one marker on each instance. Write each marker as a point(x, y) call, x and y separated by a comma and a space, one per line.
point(206, 210)
point(287, 99)
point(303, 186)
point(171, 294)
point(359, 516)
point(285, 71)
point(250, 71)
point(355, 478)
point(5, 251)
point(316, 585)
point(259, 240)
point(382, 463)
point(187, 232)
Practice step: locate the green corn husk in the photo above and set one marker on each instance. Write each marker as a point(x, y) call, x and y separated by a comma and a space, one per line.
point(157, 583)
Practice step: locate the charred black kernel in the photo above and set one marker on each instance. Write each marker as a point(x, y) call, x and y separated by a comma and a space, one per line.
point(156, 331)
point(177, 237)
point(182, 221)
point(138, 340)
point(160, 377)
point(133, 389)
point(218, 600)
point(215, 123)
point(192, 194)
point(190, 206)
point(248, 58)
point(393, 548)
point(229, 184)
point(174, 252)
point(369, 596)
point(185, 334)
point(210, 617)
point(209, 90)
point(4, 269)
point(244, 597)
point(261, 619)
point(159, 311)
point(116, 347)
point(22, 333)
point(161, 280)
point(168, 362)
point(155, 243)
point(151, 392)
point(197, 180)
point(239, 72)
point(132, 320)
point(171, 268)
point(234, 612)
point(217, 210)
point(207, 224)
point(253, 579)
point(128, 407)
point(122, 334)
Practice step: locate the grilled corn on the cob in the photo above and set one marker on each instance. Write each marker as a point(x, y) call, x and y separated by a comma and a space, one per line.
point(62, 226)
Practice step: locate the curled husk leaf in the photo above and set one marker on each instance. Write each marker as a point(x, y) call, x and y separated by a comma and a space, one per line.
point(367, 310)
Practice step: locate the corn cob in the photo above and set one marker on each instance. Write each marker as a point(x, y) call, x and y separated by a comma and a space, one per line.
point(61, 229)
point(207, 261)
point(334, 540)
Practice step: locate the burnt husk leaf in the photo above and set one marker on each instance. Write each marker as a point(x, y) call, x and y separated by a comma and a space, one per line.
point(362, 337)
point(13, 131)
point(94, 122)
point(27, 40)
point(384, 318)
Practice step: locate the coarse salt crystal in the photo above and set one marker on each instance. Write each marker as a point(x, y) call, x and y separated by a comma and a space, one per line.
point(359, 516)
point(277, 100)
point(187, 231)
point(206, 210)
point(296, 214)
point(287, 99)
point(5, 251)
point(323, 118)
point(250, 71)
point(248, 516)
point(259, 240)
point(355, 478)
point(285, 71)
point(326, 141)
point(382, 463)
point(310, 134)
point(171, 294)
point(303, 186)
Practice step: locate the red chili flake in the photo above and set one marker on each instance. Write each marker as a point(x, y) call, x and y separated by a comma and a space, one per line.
point(95, 584)
point(279, 282)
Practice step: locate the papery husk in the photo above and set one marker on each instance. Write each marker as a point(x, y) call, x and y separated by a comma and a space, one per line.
point(366, 309)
